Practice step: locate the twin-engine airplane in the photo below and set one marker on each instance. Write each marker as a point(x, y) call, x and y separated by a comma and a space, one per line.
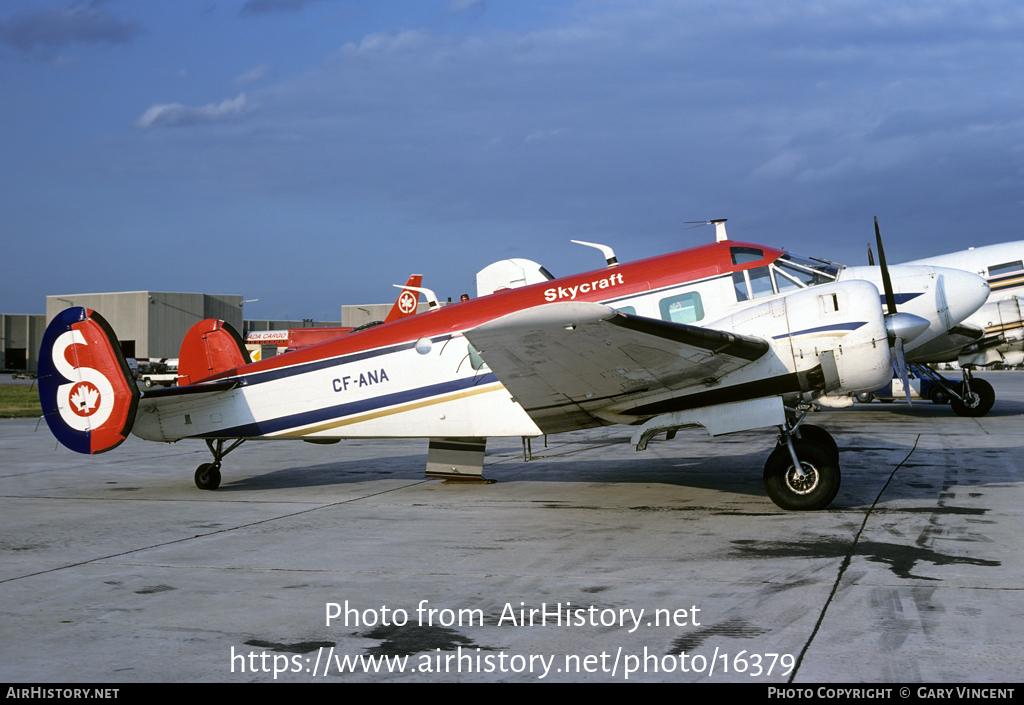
point(993, 334)
point(730, 336)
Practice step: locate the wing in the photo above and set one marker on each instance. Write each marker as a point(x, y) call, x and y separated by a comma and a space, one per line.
point(565, 361)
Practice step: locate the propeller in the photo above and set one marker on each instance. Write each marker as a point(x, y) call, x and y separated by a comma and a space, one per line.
point(871, 256)
point(899, 326)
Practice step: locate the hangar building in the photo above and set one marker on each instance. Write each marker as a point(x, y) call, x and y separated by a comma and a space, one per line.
point(152, 323)
point(21, 335)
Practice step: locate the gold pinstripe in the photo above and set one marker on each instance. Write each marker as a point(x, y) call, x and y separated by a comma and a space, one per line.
point(370, 415)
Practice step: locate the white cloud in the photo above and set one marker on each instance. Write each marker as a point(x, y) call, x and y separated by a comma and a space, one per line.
point(386, 42)
point(176, 114)
point(253, 75)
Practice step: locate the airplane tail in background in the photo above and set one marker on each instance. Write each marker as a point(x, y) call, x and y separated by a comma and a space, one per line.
point(407, 302)
point(86, 389)
point(209, 348)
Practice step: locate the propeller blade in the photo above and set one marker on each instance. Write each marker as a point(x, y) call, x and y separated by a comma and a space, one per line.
point(871, 256)
point(900, 361)
point(890, 297)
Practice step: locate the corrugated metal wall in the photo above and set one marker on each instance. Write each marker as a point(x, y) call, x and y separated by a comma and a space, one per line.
point(23, 334)
point(155, 321)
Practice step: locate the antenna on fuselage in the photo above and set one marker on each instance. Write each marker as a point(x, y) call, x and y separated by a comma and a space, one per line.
point(609, 255)
point(719, 223)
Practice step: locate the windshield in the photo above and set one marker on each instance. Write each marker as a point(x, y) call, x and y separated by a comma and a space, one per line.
point(788, 273)
point(796, 271)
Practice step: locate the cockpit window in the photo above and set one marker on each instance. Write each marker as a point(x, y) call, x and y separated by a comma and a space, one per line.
point(788, 273)
point(743, 255)
point(760, 282)
point(753, 283)
point(739, 283)
point(1006, 268)
point(808, 272)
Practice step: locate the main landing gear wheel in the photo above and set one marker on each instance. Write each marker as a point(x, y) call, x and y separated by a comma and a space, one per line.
point(809, 432)
point(977, 402)
point(208, 476)
point(813, 487)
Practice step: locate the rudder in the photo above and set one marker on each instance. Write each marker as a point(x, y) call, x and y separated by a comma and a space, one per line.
point(209, 348)
point(86, 389)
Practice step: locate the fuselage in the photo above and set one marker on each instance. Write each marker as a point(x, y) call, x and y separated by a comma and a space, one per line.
point(1001, 317)
point(419, 377)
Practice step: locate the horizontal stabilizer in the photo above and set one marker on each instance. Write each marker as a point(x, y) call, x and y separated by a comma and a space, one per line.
point(191, 389)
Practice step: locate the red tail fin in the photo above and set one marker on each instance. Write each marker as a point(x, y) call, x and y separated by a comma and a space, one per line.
point(87, 392)
point(209, 348)
point(407, 301)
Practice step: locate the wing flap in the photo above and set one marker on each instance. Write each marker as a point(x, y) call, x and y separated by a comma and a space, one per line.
point(563, 361)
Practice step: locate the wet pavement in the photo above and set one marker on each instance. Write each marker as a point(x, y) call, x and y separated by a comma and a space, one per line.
point(116, 568)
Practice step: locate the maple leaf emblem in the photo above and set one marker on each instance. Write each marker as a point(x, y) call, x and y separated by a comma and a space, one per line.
point(85, 399)
point(407, 302)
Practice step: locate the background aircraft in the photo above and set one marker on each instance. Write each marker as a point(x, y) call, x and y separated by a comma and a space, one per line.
point(730, 336)
point(993, 334)
point(292, 339)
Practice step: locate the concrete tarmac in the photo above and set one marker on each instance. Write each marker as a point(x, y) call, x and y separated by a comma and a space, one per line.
point(116, 568)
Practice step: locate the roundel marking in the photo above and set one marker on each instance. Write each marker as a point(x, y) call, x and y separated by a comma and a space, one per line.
point(85, 399)
point(84, 404)
point(406, 302)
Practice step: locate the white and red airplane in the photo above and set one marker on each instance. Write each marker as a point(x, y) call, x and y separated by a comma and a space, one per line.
point(993, 334)
point(730, 336)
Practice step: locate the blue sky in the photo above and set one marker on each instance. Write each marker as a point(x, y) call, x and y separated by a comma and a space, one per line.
point(310, 153)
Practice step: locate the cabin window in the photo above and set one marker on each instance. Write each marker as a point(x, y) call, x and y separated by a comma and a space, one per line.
point(743, 255)
point(1006, 268)
point(684, 308)
point(627, 309)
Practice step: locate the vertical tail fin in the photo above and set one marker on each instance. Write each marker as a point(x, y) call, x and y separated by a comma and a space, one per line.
point(87, 392)
point(209, 348)
point(407, 302)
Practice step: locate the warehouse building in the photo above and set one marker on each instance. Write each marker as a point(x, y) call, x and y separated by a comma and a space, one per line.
point(252, 325)
point(152, 323)
point(21, 335)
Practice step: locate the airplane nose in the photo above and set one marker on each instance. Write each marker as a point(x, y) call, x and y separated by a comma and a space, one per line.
point(965, 292)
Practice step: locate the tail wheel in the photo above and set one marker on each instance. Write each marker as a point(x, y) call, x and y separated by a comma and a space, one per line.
point(977, 402)
point(939, 396)
point(208, 476)
point(814, 487)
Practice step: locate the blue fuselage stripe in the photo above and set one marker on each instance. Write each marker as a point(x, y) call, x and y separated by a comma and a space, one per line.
point(304, 367)
point(819, 329)
point(283, 423)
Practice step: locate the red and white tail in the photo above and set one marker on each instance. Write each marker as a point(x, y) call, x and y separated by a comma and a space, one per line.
point(87, 391)
point(407, 302)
